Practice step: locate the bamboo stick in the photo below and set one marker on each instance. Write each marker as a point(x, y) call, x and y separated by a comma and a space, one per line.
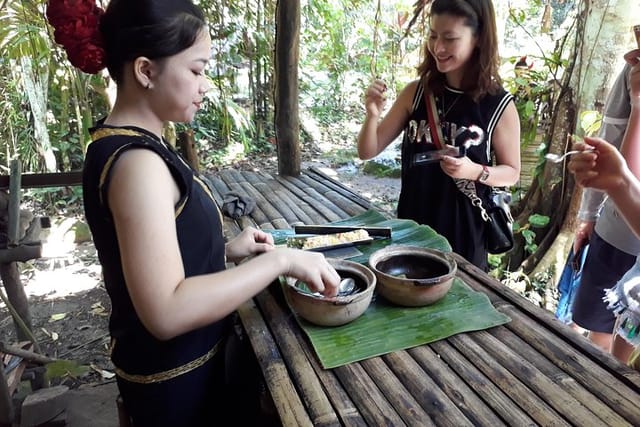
point(308, 203)
point(456, 390)
point(344, 406)
point(527, 372)
point(599, 381)
point(25, 354)
point(396, 393)
point(499, 401)
point(563, 380)
point(317, 403)
point(290, 408)
point(519, 393)
point(218, 187)
point(496, 291)
point(373, 405)
point(317, 174)
point(323, 205)
point(321, 190)
point(267, 207)
point(433, 400)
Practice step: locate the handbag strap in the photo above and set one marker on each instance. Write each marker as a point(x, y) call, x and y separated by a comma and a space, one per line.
point(434, 120)
point(465, 186)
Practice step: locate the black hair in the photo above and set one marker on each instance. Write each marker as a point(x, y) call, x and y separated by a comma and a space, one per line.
point(481, 76)
point(155, 29)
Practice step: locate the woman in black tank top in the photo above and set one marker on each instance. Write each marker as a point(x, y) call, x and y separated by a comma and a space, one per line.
point(476, 116)
point(155, 224)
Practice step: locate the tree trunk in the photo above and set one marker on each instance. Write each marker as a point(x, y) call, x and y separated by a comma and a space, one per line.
point(592, 69)
point(37, 95)
point(287, 121)
point(15, 293)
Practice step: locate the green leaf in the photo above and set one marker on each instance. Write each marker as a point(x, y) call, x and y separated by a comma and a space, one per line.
point(529, 236)
point(386, 327)
point(64, 368)
point(537, 220)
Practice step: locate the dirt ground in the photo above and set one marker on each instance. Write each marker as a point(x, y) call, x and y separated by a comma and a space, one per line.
point(68, 302)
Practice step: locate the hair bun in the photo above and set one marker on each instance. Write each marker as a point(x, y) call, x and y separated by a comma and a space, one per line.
point(76, 26)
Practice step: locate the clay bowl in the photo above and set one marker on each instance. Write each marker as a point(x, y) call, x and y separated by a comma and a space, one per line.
point(411, 275)
point(338, 310)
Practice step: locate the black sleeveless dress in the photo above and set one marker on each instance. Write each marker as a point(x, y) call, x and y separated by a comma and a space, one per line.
point(429, 196)
point(163, 383)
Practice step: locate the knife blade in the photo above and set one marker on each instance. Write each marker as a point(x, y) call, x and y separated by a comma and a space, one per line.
point(330, 229)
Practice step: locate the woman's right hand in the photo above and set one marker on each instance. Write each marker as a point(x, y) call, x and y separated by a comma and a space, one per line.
point(601, 168)
point(313, 269)
point(375, 98)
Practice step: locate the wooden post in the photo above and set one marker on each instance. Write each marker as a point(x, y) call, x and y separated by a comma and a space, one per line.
point(7, 413)
point(15, 184)
point(187, 147)
point(17, 296)
point(287, 120)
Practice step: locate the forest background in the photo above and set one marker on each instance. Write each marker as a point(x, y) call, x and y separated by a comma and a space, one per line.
point(571, 50)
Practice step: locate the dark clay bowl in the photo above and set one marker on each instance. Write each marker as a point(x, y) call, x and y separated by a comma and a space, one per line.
point(411, 275)
point(337, 310)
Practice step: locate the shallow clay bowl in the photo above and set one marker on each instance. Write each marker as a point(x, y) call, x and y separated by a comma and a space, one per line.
point(337, 310)
point(411, 275)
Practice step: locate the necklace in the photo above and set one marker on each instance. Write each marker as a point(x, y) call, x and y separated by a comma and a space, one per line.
point(444, 112)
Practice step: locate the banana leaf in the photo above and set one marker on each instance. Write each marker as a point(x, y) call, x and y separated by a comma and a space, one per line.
point(386, 327)
point(402, 232)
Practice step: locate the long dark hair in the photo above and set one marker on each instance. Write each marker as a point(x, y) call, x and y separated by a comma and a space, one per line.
point(152, 28)
point(481, 76)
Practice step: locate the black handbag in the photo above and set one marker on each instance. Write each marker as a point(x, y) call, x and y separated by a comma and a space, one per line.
point(500, 223)
point(495, 210)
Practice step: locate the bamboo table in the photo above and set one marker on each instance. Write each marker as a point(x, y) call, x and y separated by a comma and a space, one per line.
point(531, 371)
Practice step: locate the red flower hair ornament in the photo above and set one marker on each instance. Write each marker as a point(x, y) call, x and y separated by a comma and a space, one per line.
point(76, 28)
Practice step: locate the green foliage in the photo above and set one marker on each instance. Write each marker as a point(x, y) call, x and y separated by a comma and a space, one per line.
point(381, 170)
point(538, 221)
point(590, 122)
point(61, 369)
point(343, 47)
point(532, 95)
point(55, 201)
point(534, 221)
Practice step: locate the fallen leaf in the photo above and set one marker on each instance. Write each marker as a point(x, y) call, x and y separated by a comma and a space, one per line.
point(54, 336)
point(65, 368)
point(107, 375)
point(56, 317)
point(98, 310)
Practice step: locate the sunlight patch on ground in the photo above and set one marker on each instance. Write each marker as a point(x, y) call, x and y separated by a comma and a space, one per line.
point(58, 241)
point(65, 267)
point(61, 282)
point(235, 151)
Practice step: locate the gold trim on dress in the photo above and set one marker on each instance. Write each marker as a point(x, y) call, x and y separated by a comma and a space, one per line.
point(104, 132)
point(171, 373)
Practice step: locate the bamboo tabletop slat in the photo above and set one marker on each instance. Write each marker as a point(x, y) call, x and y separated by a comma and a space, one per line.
point(530, 371)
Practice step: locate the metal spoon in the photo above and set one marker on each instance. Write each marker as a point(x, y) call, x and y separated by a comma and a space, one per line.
point(347, 286)
point(556, 158)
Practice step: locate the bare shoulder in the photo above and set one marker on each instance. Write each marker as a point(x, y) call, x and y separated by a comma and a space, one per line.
point(410, 89)
point(405, 98)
